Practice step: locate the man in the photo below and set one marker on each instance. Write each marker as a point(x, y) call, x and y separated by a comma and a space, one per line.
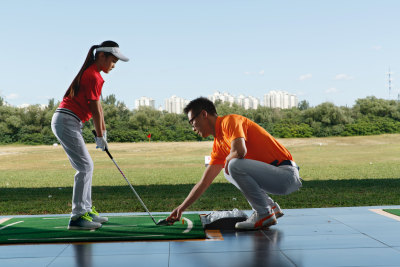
point(254, 161)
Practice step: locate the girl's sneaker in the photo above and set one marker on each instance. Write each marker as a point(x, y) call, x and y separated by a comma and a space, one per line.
point(96, 217)
point(84, 222)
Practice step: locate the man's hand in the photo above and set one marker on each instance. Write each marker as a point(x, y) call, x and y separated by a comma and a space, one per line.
point(101, 143)
point(175, 215)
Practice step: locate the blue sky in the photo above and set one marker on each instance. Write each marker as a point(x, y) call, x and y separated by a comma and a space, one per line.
point(335, 51)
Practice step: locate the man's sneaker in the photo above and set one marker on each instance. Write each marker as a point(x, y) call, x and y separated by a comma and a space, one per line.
point(277, 210)
point(96, 217)
point(83, 223)
point(257, 221)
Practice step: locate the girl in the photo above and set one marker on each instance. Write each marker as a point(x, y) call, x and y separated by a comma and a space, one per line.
point(80, 103)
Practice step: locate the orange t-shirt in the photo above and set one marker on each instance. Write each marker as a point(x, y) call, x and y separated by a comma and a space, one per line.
point(260, 144)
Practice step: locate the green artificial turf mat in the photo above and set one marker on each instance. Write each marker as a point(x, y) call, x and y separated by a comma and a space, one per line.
point(393, 211)
point(118, 228)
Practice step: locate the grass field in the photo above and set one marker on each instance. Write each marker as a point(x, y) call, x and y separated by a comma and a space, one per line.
point(337, 171)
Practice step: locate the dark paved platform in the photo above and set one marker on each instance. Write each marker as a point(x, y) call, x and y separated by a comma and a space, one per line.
point(354, 236)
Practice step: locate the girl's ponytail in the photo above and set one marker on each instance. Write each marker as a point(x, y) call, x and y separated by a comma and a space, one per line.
point(73, 89)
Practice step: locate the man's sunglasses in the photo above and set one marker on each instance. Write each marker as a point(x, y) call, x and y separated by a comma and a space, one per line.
point(192, 119)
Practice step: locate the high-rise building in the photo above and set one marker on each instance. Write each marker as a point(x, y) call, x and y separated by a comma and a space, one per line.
point(280, 99)
point(224, 97)
point(175, 104)
point(144, 102)
point(243, 101)
point(247, 102)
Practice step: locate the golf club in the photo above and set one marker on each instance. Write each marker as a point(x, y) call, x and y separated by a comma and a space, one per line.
point(160, 222)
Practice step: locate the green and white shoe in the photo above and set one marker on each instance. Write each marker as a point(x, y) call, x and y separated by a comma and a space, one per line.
point(84, 222)
point(96, 217)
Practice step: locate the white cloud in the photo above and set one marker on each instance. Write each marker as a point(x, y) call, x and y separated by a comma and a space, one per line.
point(376, 47)
point(261, 72)
point(12, 96)
point(305, 77)
point(343, 76)
point(24, 105)
point(331, 90)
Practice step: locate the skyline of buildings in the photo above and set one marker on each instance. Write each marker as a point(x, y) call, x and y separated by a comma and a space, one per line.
point(273, 99)
point(280, 99)
point(145, 102)
point(175, 104)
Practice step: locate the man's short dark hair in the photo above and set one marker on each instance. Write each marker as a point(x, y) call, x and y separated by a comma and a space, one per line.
point(199, 104)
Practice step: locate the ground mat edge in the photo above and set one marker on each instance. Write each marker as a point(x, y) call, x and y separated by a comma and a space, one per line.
point(393, 211)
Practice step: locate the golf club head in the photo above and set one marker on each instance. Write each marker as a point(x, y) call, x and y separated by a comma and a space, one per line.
point(165, 222)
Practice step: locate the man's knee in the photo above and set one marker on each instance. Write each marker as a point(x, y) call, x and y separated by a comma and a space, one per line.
point(235, 167)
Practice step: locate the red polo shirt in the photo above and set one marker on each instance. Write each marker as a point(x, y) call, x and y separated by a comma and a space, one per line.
point(91, 85)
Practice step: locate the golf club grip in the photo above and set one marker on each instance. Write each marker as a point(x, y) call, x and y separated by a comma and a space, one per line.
point(109, 154)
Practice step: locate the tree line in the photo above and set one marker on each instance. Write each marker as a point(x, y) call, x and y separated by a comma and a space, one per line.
point(368, 116)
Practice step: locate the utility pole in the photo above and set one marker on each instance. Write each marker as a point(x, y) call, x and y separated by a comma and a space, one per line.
point(389, 82)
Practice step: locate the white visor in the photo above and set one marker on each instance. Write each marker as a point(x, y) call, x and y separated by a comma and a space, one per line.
point(113, 50)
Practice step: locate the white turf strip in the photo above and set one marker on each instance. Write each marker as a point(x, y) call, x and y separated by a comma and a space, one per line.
point(10, 225)
point(386, 214)
point(190, 225)
point(4, 220)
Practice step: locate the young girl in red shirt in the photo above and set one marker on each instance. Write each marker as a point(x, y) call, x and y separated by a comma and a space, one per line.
point(80, 103)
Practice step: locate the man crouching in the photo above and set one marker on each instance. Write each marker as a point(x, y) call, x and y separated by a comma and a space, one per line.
point(254, 161)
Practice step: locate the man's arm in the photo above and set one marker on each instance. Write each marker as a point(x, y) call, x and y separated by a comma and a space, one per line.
point(208, 177)
point(238, 150)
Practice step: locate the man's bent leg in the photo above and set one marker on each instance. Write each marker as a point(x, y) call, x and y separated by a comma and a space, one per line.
point(254, 177)
point(269, 201)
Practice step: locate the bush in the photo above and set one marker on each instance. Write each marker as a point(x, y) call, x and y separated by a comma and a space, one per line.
point(367, 117)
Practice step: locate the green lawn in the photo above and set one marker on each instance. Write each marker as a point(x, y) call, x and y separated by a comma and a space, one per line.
point(337, 171)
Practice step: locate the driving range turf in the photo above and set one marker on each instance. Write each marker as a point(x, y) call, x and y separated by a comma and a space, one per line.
point(337, 172)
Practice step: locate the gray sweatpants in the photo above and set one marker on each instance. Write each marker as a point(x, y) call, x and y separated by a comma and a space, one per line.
point(68, 131)
point(256, 179)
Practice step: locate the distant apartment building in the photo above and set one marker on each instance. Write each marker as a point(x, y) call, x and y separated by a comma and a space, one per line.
point(246, 102)
point(175, 104)
point(144, 102)
point(280, 99)
point(224, 97)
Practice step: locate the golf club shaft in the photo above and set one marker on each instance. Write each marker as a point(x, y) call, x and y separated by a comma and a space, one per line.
point(130, 185)
point(133, 189)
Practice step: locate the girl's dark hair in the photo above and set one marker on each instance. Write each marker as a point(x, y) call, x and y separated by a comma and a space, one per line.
point(73, 89)
point(199, 104)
